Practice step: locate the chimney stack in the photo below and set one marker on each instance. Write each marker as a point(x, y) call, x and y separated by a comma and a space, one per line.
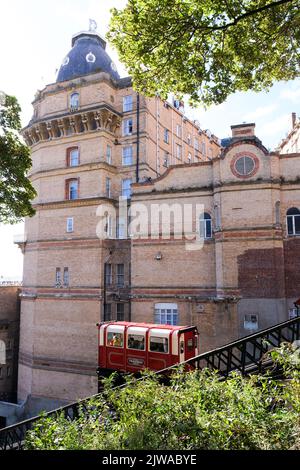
point(243, 130)
point(293, 120)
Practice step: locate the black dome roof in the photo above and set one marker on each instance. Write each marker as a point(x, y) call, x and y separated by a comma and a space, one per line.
point(87, 56)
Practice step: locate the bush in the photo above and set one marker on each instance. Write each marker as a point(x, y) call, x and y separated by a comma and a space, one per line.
point(196, 411)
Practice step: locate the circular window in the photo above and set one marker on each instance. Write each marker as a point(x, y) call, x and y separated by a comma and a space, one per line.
point(90, 57)
point(113, 66)
point(244, 166)
point(66, 61)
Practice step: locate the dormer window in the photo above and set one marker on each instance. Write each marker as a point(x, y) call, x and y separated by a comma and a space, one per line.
point(74, 101)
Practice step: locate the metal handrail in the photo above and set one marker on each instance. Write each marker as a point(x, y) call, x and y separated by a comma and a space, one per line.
point(244, 355)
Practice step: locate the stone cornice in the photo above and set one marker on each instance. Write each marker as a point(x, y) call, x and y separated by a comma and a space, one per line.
point(76, 121)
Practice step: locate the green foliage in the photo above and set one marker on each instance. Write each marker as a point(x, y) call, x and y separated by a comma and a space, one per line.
point(207, 49)
point(16, 191)
point(197, 411)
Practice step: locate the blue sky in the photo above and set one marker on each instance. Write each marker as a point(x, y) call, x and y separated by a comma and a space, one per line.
point(36, 35)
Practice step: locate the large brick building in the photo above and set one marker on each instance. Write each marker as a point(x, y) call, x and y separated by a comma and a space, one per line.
point(94, 139)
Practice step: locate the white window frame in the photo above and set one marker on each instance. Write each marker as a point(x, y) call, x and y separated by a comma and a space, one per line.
point(178, 130)
point(127, 126)
point(73, 190)
point(66, 277)
point(166, 314)
point(126, 191)
point(179, 151)
point(196, 144)
point(70, 224)
point(251, 321)
point(109, 154)
point(108, 187)
point(127, 155)
point(127, 103)
point(74, 161)
point(203, 229)
point(166, 135)
point(74, 103)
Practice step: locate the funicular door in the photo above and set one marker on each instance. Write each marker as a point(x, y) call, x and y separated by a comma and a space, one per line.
point(189, 344)
point(115, 354)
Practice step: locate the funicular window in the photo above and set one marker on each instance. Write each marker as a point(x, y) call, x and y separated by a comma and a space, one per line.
point(190, 344)
point(115, 340)
point(160, 345)
point(136, 342)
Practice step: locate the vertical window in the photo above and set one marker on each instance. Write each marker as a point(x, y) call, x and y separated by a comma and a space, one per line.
point(127, 126)
point(166, 136)
point(196, 144)
point(166, 159)
point(127, 103)
point(178, 130)
point(126, 188)
point(108, 226)
point(121, 229)
point(66, 277)
point(178, 151)
point(189, 157)
point(108, 274)
point(58, 277)
point(120, 312)
point(166, 314)
point(251, 322)
point(108, 187)
point(293, 221)
point(8, 371)
point(70, 224)
point(127, 155)
point(107, 312)
point(109, 154)
point(74, 157)
point(203, 149)
point(74, 101)
point(205, 226)
point(277, 213)
point(72, 189)
point(120, 275)
point(189, 140)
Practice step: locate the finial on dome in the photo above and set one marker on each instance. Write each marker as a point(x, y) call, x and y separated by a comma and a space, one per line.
point(92, 25)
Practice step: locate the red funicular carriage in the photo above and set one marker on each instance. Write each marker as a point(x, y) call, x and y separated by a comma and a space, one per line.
point(131, 347)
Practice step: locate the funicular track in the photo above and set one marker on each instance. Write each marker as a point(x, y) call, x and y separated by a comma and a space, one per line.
point(247, 356)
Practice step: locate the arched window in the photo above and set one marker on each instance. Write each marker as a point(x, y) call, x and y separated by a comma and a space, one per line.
point(293, 221)
point(72, 189)
point(74, 101)
point(205, 226)
point(73, 156)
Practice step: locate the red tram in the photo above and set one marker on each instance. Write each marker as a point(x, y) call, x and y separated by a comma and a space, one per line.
point(131, 347)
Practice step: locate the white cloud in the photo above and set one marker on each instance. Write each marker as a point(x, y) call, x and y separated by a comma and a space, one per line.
point(278, 126)
point(291, 95)
point(259, 112)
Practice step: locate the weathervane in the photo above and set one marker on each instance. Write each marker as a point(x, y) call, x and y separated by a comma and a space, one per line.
point(92, 25)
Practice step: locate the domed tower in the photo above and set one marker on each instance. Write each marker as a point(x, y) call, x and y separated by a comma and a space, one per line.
point(85, 142)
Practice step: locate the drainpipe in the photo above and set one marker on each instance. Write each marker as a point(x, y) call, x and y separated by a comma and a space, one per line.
point(137, 176)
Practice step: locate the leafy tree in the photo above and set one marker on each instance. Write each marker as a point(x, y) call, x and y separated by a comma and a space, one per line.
point(207, 49)
point(16, 190)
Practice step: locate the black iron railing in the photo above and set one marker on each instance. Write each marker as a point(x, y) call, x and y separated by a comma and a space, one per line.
point(247, 355)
